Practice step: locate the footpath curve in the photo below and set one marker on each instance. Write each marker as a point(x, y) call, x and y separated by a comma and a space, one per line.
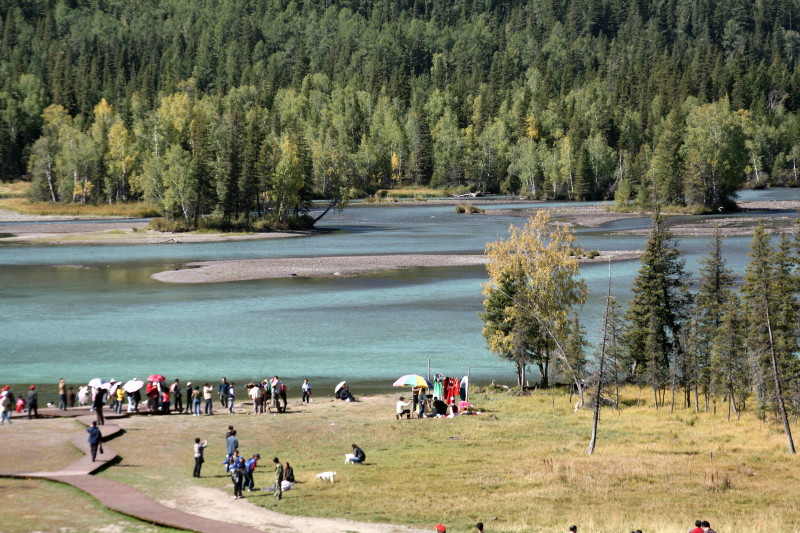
point(113, 494)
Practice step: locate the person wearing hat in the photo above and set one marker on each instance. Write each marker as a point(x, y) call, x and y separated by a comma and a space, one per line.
point(6, 406)
point(33, 403)
point(188, 397)
point(441, 528)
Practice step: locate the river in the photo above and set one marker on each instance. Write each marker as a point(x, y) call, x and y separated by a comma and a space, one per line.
point(83, 311)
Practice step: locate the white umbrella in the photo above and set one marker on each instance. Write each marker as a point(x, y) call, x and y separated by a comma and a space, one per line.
point(133, 385)
point(339, 386)
point(97, 382)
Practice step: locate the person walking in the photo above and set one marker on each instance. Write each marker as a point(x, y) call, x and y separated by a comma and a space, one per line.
point(306, 390)
point(6, 406)
point(231, 396)
point(62, 395)
point(199, 446)
point(33, 403)
point(278, 478)
point(223, 392)
point(95, 439)
point(98, 402)
point(208, 391)
point(177, 396)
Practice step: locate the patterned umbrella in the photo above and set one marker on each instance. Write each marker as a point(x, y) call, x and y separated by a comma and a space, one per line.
point(413, 380)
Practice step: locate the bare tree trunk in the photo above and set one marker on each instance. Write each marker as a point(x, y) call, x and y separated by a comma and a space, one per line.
point(776, 378)
point(598, 391)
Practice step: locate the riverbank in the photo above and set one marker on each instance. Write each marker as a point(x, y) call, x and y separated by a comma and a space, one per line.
point(652, 470)
point(318, 267)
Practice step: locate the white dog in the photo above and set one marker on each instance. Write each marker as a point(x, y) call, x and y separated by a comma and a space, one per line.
point(326, 476)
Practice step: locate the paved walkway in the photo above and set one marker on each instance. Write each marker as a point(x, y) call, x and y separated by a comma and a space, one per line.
point(113, 494)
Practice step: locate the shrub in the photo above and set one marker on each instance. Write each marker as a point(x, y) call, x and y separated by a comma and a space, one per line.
point(164, 224)
point(469, 209)
point(591, 254)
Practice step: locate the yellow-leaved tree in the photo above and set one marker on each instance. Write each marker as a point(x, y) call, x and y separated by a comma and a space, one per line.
point(533, 289)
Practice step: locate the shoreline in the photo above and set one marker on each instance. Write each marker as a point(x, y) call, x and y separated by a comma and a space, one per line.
point(316, 267)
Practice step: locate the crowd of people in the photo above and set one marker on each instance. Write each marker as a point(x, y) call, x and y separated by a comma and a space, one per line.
point(242, 469)
point(154, 396)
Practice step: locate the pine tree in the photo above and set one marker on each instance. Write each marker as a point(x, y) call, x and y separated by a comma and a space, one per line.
point(657, 311)
point(765, 289)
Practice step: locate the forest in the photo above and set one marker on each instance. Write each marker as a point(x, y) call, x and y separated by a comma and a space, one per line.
point(240, 108)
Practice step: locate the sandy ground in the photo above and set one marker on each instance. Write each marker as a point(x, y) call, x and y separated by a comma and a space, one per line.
point(216, 504)
point(66, 230)
point(308, 267)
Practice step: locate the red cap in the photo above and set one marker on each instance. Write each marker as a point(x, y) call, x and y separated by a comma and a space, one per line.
point(33, 387)
point(440, 527)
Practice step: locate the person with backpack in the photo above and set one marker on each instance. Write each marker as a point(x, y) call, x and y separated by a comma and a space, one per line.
point(249, 470)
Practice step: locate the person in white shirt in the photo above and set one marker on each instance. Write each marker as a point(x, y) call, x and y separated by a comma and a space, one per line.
point(401, 408)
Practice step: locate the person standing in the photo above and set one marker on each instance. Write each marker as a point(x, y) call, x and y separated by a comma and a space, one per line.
point(62, 395)
point(98, 402)
point(223, 392)
point(120, 397)
point(196, 401)
point(198, 455)
point(208, 390)
point(255, 395)
point(278, 478)
point(237, 476)
point(189, 406)
point(306, 390)
point(71, 397)
point(177, 396)
point(275, 387)
point(95, 439)
point(231, 445)
point(33, 403)
point(231, 396)
point(6, 407)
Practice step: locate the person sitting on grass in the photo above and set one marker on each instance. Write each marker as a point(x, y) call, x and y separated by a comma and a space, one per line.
point(439, 408)
point(357, 457)
point(707, 527)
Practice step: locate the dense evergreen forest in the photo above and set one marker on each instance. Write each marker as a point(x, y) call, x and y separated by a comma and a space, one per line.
point(241, 106)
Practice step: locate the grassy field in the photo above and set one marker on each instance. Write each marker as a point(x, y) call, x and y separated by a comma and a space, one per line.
point(34, 505)
point(520, 466)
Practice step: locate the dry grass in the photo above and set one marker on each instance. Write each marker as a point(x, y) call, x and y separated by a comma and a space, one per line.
point(129, 210)
point(14, 189)
point(521, 466)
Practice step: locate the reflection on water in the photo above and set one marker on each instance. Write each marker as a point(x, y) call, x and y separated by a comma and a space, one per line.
point(81, 311)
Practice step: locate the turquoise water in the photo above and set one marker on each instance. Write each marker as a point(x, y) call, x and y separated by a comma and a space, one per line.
point(108, 318)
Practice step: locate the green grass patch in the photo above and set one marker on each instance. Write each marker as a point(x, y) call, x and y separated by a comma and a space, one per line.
point(650, 470)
